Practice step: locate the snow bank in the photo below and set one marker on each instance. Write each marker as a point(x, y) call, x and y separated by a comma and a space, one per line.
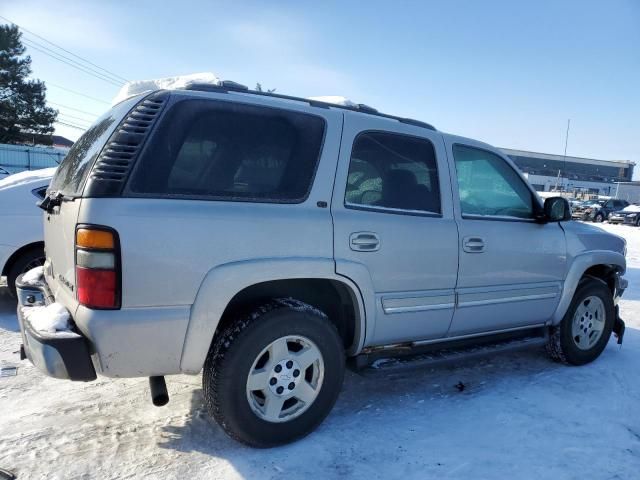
point(335, 99)
point(27, 177)
point(50, 319)
point(33, 276)
point(169, 83)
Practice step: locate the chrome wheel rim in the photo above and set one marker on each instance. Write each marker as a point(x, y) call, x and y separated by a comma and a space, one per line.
point(588, 323)
point(285, 379)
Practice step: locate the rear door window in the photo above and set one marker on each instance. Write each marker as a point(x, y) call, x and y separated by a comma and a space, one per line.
point(392, 171)
point(221, 150)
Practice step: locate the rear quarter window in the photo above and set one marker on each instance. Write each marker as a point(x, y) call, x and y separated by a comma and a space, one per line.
point(220, 150)
point(74, 169)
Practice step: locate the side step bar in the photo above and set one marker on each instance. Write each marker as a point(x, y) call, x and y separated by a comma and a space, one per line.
point(450, 351)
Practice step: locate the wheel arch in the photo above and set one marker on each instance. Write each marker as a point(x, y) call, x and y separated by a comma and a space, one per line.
point(602, 265)
point(230, 290)
point(18, 253)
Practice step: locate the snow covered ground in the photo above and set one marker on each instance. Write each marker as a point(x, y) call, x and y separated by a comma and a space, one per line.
point(521, 416)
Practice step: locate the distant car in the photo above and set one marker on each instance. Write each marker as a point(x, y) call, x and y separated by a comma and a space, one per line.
point(629, 215)
point(598, 211)
point(583, 211)
point(21, 231)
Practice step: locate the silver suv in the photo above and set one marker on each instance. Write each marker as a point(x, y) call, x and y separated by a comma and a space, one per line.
point(263, 239)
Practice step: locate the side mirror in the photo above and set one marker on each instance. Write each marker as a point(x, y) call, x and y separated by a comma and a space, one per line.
point(557, 209)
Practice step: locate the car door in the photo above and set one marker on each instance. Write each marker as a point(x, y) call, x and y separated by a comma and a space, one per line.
point(511, 267)
point(394, 232)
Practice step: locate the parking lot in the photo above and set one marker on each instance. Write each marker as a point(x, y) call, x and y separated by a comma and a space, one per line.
point(519, 415)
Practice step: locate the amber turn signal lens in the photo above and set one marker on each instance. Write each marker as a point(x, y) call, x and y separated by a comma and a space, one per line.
point(88, 238)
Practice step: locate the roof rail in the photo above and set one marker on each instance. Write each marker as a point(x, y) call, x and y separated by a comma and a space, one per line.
point(227, 86)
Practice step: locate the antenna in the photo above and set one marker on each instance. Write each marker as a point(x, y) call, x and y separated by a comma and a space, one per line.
point(566, 142)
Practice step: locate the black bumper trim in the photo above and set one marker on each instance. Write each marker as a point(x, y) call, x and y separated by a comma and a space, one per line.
point(59, 356)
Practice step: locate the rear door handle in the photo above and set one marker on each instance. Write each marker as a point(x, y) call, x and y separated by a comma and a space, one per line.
point(364, 242)
point(473, 244)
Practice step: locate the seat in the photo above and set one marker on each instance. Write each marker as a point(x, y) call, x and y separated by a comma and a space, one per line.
point(399, 190)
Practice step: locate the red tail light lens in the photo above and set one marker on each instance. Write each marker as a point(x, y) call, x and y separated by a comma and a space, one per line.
point(98, 267)
point(96, 288)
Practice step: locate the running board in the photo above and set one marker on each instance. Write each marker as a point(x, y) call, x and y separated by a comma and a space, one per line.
point(449, 351)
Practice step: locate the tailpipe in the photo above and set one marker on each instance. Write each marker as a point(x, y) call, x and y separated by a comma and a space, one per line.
point(159, 394)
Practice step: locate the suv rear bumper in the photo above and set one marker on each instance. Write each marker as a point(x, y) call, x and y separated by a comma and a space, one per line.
point(63, 355)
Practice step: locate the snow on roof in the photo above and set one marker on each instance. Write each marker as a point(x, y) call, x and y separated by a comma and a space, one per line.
point(27, 176)
point(335, 99)
point(137, 87)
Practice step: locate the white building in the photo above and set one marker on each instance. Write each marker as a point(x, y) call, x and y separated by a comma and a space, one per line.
point(548, 172)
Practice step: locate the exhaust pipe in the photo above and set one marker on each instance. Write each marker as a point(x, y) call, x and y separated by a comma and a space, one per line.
point(159, 394)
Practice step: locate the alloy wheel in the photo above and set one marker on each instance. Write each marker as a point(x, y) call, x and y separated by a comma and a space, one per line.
point(285, 379)
point(588, 322)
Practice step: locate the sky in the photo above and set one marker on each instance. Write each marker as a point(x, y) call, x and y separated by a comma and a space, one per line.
point(504, 72)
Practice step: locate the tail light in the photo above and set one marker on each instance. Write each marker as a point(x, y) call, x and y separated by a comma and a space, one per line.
point(98, 267)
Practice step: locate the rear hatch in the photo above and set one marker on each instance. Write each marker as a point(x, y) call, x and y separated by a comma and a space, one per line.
point(65, 195)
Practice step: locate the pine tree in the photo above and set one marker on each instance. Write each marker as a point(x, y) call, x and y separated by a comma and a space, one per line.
point(24, 115)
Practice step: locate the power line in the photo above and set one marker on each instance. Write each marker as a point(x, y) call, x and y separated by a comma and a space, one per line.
point(71, 63)
point(70, 125)
point(77, 93)
point(80, 123)
point(74, 109)
point(59, 56)
point(76, 118)
point(67, 51)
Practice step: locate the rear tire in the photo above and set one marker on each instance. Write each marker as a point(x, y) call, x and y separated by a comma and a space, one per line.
point(599, 218)
point(585, 329)
point(263, 361)
point(34, 257)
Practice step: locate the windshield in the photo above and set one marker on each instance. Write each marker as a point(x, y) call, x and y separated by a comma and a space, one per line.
point(70, 177)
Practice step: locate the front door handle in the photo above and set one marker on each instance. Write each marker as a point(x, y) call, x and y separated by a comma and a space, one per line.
point(473, 244)
point(364, 242)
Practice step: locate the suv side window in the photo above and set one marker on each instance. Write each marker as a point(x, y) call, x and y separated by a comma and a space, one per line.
point(488, 186)
point(234, 152)
point(393, 171)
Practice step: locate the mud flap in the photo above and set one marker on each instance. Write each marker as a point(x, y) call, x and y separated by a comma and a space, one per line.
point(619, 326)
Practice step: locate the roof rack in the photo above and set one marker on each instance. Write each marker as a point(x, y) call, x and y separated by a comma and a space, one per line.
point(226, 86)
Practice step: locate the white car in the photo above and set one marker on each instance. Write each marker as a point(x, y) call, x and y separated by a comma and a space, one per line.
point(21, 231)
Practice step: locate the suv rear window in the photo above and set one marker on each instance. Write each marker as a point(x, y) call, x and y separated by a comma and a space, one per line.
point(70, 176)
point(220, 150)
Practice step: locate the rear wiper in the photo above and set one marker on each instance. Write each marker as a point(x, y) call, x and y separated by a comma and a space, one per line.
point(51, 200)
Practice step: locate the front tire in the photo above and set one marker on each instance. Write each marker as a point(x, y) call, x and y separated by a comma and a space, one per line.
point(585, 329)
point(274, 376)
point(599, 218)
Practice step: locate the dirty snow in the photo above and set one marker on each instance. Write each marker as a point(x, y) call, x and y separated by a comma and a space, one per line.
point(519, 416)
point(50, 319)
point(33, 276)
point(27, 176)
point(137, 87)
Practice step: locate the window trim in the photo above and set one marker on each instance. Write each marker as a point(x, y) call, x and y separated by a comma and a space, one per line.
point(390, 210)
point(535, 202)
point(128, 193)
